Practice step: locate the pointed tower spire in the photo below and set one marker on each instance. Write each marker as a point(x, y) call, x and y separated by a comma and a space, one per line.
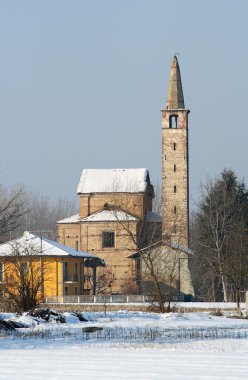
point(175, 91)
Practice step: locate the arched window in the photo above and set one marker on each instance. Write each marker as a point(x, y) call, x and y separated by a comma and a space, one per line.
point(173, 121)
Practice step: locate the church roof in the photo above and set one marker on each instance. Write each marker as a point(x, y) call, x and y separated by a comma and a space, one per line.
point(113, 180)
point(109, 216)
point(29, 243)
point(175, 98)
point(70, 219)
point(100, 216)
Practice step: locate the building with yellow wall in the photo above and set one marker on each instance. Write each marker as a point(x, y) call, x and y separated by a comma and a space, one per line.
point(58, 270)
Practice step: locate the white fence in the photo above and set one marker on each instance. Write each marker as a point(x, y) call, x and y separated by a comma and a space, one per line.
point(102, 299)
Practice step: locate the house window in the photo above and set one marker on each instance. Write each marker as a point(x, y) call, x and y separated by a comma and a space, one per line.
point(66, 291)
point(175, 168)
point(174, 146)
point(75, 275)
point(66, 272)
point(23, 269)
point(175, 209)
point(66, 268)
point(1, 271)
point(173, 121)
point(175, 188)
point(108, 239)
point(75, 291)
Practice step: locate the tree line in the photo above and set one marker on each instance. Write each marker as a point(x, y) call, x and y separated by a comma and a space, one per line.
point(22, 210)
point(219, 239)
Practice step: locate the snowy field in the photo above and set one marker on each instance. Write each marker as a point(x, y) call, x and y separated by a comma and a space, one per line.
point(129, 346)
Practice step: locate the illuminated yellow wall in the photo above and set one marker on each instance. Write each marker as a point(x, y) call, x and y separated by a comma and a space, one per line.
point(55, 280)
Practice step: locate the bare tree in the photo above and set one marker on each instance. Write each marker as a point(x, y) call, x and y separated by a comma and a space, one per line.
point(221, 213)
point(22, 276)
point(158, 258)
point(102, 283)
point(12, 209)
point(42, 214)
point(236, 266)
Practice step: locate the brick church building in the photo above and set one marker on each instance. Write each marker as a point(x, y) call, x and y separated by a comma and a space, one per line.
point(116, 220)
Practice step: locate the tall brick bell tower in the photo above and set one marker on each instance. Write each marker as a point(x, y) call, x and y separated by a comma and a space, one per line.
point(175, 162)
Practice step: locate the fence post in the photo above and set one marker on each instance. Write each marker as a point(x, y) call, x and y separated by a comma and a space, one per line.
point(246, 302)
point(94, 299)
point(127, 299)
point(143, 298)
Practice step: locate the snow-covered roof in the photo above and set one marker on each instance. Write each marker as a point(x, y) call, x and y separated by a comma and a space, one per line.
point(152, 217)
point(113, 180)
point(109, 216)
point(181, 247)
point(70, 219)
point(100, 216)
point(41, 247)
point(172, 245)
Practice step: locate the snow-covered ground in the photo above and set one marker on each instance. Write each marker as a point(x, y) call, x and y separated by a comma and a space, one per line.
point(130, 346)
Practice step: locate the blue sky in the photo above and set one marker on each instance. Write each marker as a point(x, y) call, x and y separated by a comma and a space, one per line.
point(82, 84)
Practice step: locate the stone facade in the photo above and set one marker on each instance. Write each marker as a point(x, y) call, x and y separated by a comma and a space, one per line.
point(119, 213)
point(175, 168)
point(175, 176)
point(120, 270)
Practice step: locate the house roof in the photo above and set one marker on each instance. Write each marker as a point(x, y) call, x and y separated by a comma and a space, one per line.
point(42, 247)
point(172, 245)
point(70, 219)
point(100, 216)
point(113, 180)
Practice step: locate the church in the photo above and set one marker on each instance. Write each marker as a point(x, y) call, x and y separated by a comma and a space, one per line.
point(117, 221)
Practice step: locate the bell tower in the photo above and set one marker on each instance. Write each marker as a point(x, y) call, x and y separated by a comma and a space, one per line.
point(175, 162)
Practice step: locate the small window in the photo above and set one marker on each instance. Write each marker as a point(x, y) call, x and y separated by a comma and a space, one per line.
point(1, 271)
point(23, 269)
point(165, 157)
point(173, 121)
point(66, 268)
point(174, 146)
point(66, 291)
point(75, 268)
point(108, 239)
point(75, 291)
point(175, 188)
point(175, 209)
point(175, 168)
